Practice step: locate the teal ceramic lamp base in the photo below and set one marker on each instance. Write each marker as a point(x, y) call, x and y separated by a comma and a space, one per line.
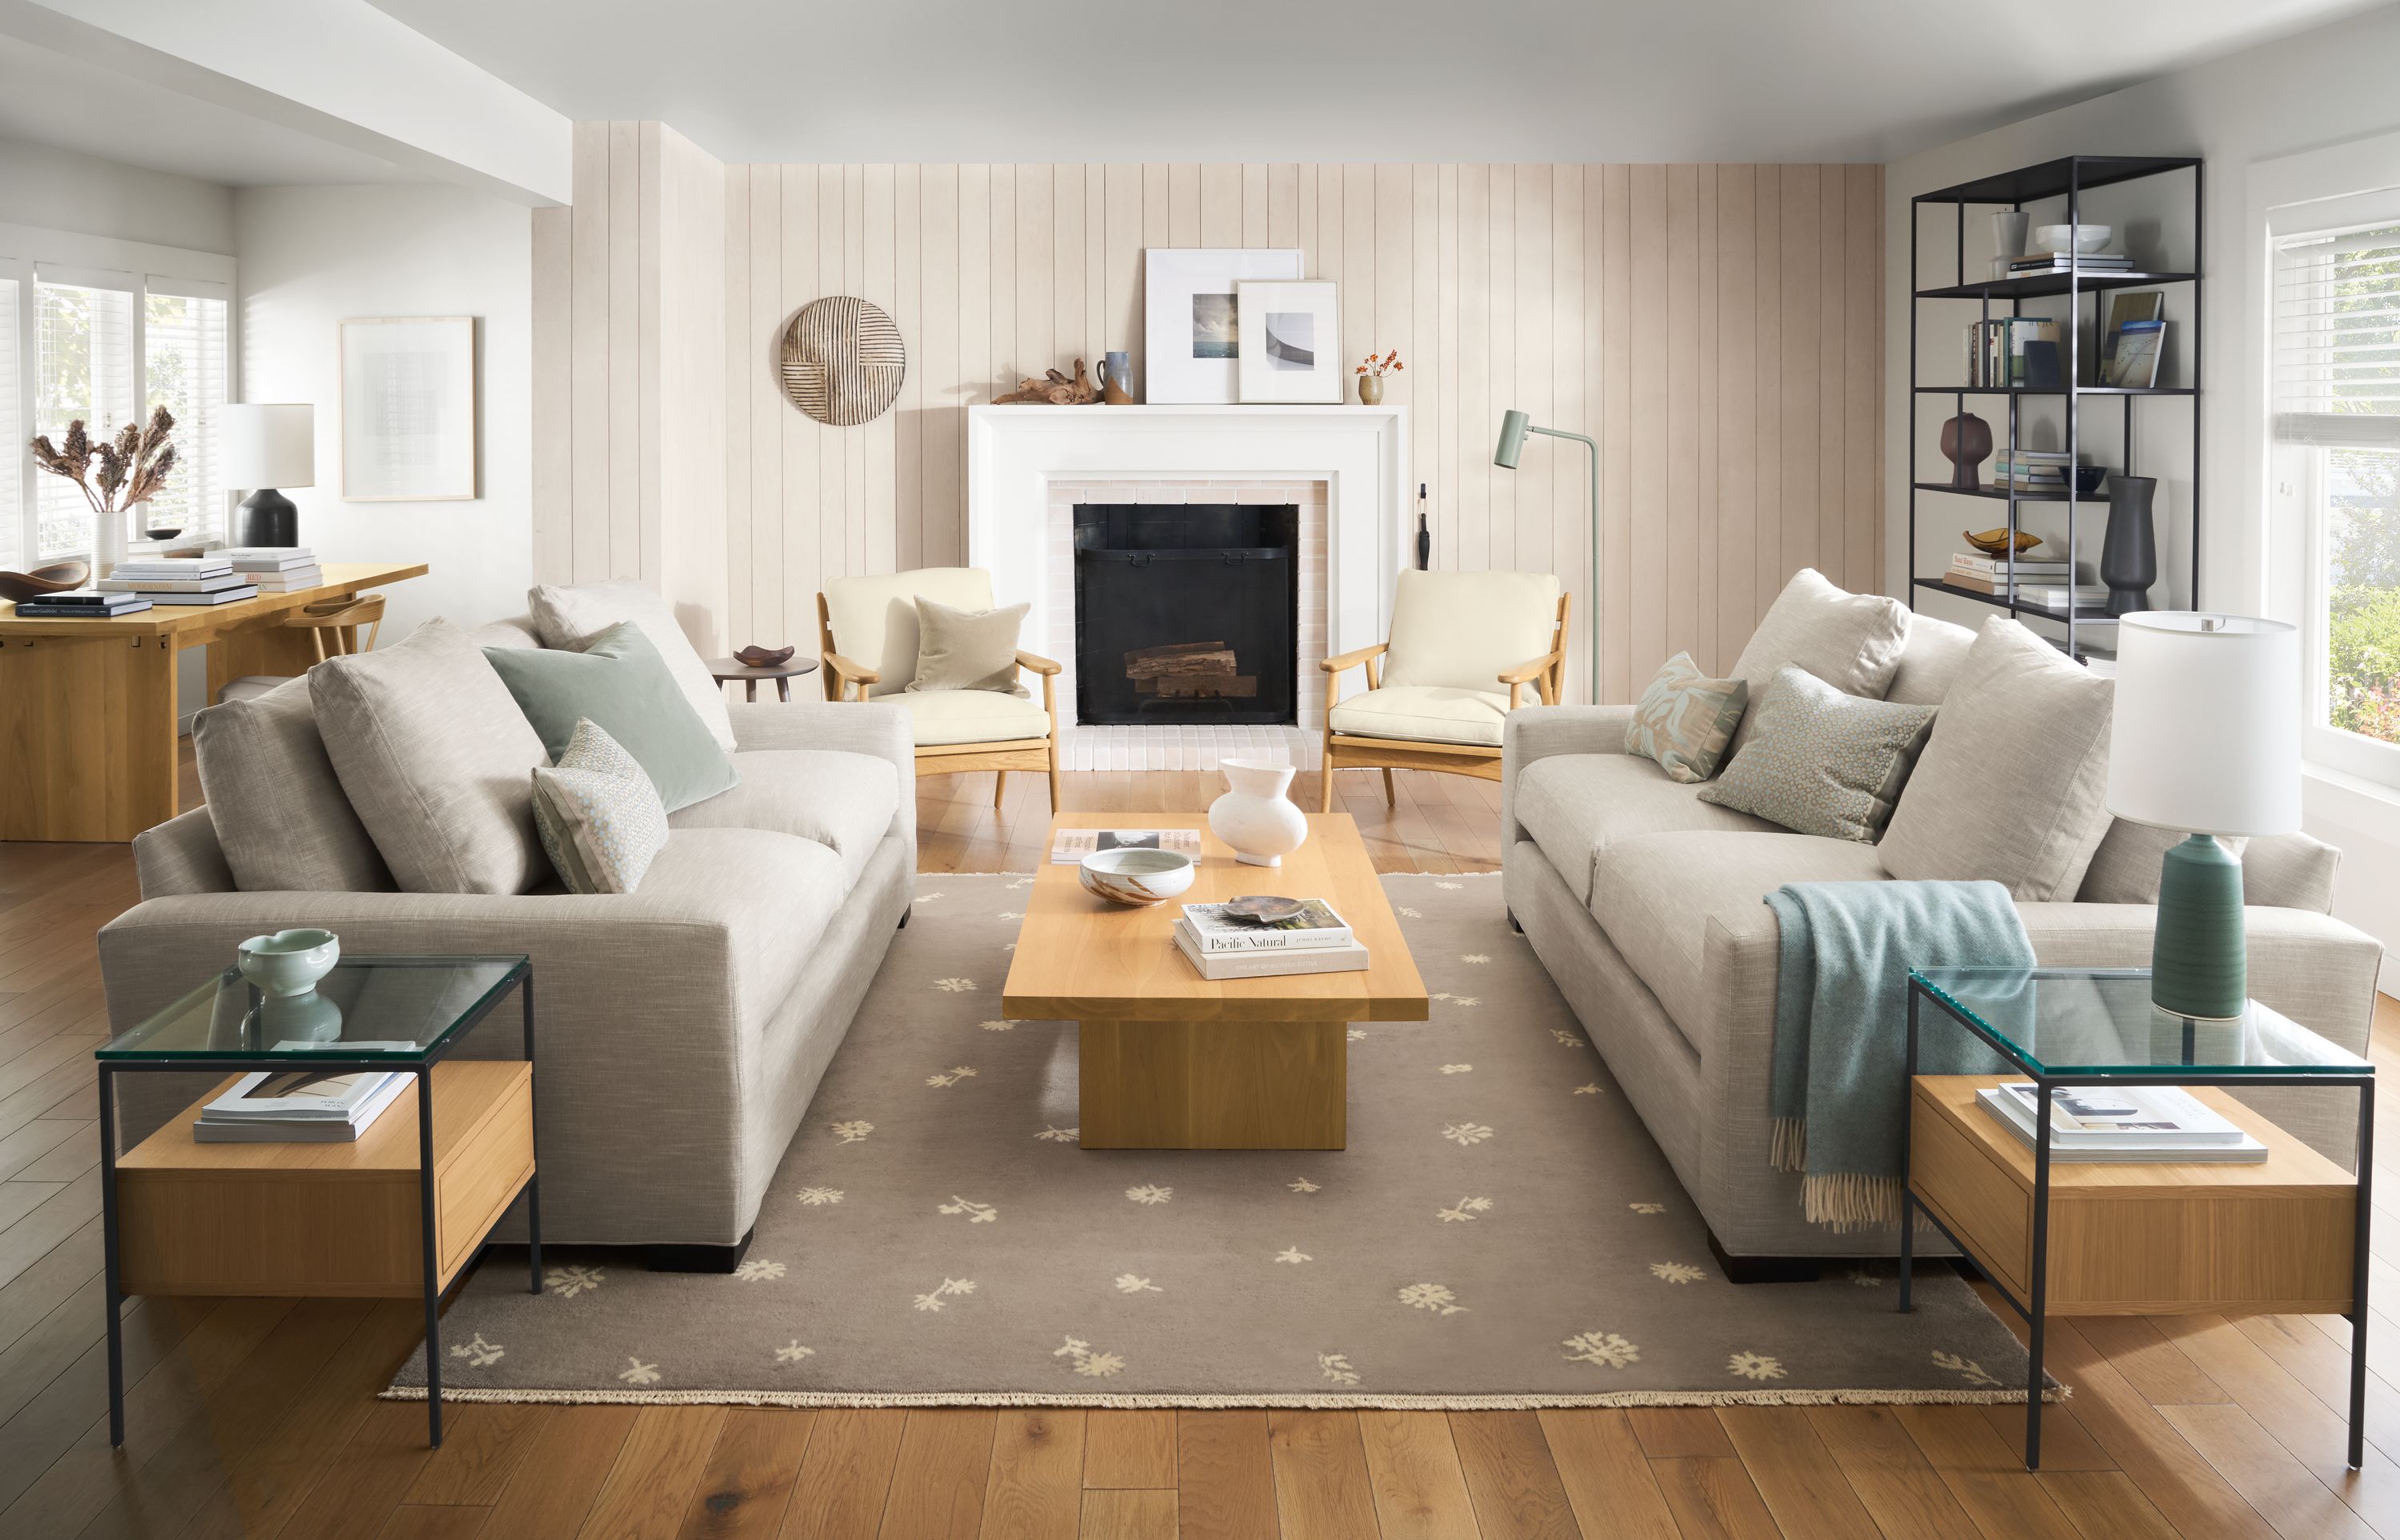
point(2199, 961)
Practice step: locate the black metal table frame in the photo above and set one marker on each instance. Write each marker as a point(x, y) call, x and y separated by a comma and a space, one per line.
point(2031, 1310)
point(521, 977)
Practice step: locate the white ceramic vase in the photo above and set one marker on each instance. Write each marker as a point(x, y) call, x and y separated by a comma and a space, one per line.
point(1255, 817)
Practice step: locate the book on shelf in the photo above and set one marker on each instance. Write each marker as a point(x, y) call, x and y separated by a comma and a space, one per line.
point(2160, 1125)
point(2133, 363)
point(1269, 963)
point(2125, 306)
point(2042, 583)
point(2059, 262)
point(118, 584)
point(1993, 566)
point(298, 1106)
point(221, 596)
point(1070, 846)
point(2013, 351)
point(1317, 924)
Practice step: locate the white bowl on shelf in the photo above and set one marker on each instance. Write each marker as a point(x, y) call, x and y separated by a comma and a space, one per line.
point(1136, 877)
point(2087, 239)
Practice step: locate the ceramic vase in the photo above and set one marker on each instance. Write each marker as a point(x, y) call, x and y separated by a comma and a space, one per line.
point(1371, 390)
point(2129, 553)
point(1255, 817)
point(1966, 440)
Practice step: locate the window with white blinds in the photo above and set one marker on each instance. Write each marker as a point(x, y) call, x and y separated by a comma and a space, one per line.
point(184, 358)
point(12, 431)
point(83, 369)
point(2338, 339)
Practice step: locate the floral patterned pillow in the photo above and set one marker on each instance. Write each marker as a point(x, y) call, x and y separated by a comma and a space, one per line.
point(598, 814)
point(1686, 719)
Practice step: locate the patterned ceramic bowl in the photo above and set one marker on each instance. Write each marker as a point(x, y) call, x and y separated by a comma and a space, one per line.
point(1136, 877)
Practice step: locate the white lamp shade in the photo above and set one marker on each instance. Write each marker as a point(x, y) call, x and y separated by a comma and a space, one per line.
point(2207, 731)
point(267, 443)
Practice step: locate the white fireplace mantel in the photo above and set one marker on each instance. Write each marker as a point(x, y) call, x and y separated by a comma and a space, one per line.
point(1360, 453)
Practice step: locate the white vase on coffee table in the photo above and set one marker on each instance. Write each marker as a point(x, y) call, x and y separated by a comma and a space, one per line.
point(1255, 817)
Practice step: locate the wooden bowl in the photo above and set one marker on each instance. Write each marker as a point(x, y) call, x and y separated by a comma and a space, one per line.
point(755, 656)
point(1995, 542)
point(54, 578)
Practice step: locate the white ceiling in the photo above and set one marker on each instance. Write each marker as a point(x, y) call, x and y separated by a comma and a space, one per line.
point(1395, 80)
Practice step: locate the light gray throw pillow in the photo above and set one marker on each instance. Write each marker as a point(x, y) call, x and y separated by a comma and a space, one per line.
point(278, 807)
point(1851, 641)
point(2011, 785)
point(572, 618)
point(967, 648)
point(437, 759)
point(600, 817)
point(1820, 761)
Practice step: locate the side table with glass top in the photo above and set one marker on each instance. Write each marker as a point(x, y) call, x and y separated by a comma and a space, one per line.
point(2056, 1237)
point(387, 1216)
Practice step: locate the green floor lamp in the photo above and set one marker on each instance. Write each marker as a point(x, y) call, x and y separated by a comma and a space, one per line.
point(1514, 425)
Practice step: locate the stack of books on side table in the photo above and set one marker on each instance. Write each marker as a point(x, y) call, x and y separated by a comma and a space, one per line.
point(298, 1106)
point(81, 604)
point(276, 568)
point(2147, 1125)
point(1317, 940)
point(209, 580)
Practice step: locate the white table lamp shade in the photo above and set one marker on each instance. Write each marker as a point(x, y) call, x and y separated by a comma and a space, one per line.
point(2207, 732)
point(268, 444)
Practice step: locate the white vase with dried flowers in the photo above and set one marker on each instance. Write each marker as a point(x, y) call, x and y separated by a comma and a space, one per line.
point(115, 475)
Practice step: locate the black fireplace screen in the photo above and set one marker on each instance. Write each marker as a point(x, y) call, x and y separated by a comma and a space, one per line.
point(1185, 612)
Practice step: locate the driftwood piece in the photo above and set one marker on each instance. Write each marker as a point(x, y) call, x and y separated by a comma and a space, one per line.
point(1053, 389)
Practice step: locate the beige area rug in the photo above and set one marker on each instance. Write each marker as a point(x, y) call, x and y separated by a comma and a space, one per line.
point(1501, 1233)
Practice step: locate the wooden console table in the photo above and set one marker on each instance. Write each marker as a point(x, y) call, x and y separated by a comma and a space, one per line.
point(87, 707)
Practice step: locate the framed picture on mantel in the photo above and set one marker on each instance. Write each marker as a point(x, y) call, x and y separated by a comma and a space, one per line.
point(408, 409)
point(1291, 342)
point(1194, 325)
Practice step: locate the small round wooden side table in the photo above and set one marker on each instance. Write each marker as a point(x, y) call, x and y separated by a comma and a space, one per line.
point(783, 674)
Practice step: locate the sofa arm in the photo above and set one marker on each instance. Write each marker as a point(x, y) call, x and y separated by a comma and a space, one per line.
point(852, 726)
point(1535, 732)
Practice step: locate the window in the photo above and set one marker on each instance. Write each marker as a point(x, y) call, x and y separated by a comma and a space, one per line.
point(83, 369)
point(12, 432)
point(2337, 453)
point(183, 364)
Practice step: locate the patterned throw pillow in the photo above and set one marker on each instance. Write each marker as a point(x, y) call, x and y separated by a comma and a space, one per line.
point(1818, 761)
point(600, 817)
point(1685, 720)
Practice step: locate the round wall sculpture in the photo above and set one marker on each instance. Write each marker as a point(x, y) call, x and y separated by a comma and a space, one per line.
point(843, 361)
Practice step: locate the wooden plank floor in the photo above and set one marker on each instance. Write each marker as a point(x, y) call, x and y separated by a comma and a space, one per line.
point(258, 1417)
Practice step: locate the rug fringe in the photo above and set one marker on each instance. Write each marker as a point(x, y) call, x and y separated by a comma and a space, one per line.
point(1353, 1402)
point(1851, 1200)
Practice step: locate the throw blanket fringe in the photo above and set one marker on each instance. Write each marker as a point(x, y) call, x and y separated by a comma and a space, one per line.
point(1788, 1149)
point(1849, 1201)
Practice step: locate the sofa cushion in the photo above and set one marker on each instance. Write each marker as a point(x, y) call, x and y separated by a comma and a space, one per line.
point(277, 804)
point(620, 685)
point(2131, 858)
point(1574, 804)
point(874, 619)
point(437, 759)
point(1433, 712)
point(1851, 641)
point(1686, 719)
point(1929, 662)
point(972, 716)
point(598, 814)
point(575, 617)
point(843, 801)
point(2010, 786)
point(1823, 762)
point(1460, 628)
point(771, 894)
point(1654, 894)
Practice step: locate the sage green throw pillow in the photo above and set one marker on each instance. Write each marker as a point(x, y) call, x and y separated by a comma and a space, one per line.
point(1818, 761)
point(623, 687)
point(1686, 719)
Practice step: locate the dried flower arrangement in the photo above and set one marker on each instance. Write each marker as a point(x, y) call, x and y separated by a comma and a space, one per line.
point(131, 467)
point(1389, 363)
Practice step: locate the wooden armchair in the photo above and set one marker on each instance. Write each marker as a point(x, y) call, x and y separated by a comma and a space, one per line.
point(957, 730)
point(1433, 697)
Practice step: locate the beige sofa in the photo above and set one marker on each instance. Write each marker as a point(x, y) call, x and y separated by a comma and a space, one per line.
point(1647, 907)
point(682, 1028)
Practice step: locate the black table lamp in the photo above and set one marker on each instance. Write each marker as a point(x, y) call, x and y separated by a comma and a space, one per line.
point(267, 445)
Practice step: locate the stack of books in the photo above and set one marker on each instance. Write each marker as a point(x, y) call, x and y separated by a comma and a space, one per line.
point(2015, 351)
point(81, 604)
point(2153, 1124)
point(276, 568)
point(2058, 262)
point(1317, 940)
point(1071, 845)
point(209, 580)
point(2091, 599)
point(298, 1106)
point(2030, 470)
point(1983, 574)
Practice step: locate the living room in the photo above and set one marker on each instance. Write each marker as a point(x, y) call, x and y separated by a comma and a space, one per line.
point(1640, 781)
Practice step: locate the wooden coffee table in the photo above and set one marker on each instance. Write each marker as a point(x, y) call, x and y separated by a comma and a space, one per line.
point(1174, 1061)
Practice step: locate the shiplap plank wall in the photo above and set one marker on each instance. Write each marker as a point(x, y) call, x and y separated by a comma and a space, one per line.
point(1716, 328)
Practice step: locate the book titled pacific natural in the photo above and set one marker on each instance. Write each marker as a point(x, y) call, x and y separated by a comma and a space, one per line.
point(1215, 929)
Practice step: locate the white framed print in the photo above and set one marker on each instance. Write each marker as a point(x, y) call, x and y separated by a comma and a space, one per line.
point(1291, 342)
point(408, 409)
point(1193, 332)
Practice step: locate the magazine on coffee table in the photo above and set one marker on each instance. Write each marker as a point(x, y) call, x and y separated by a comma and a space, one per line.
point(1069, 846)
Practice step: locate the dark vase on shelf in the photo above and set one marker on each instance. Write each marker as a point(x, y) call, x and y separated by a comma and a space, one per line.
point(2129, 554)
point(1966, 441)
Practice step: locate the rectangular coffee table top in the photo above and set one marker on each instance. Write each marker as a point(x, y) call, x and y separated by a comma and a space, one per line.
point(1080, 958)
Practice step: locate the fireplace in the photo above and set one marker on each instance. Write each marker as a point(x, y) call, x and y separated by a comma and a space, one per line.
point(1186, 613)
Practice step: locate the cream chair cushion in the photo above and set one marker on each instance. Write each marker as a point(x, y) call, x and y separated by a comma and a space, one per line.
point(975, 717)
point(874, 619)
point(1432, 714)
point(1458, 630)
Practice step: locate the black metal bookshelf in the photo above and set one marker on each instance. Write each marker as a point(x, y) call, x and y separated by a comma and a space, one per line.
point(2070, 177)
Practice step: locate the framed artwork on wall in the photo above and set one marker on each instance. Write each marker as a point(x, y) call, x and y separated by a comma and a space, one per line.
point(1193, 330)
point(1291, 342)
point(408, 409)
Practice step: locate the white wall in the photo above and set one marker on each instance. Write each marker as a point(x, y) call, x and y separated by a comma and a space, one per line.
point(313, 256)
point(60, 190)
point(2321, 87)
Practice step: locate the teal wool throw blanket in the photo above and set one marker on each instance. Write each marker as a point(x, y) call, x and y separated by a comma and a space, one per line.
point(1841, 1027)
